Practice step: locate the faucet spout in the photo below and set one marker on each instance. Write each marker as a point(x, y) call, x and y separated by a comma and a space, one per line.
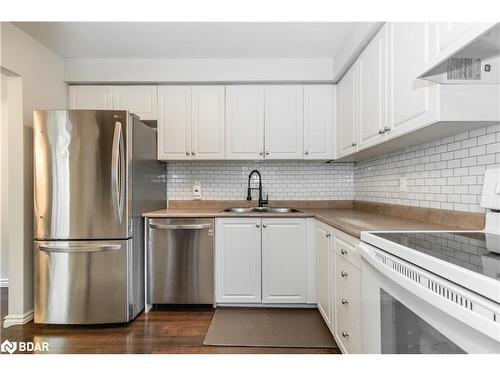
point(249, 189)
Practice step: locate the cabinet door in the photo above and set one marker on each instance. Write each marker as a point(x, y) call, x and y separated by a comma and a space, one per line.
point(448, 33)
point(91, 97)
point(141, 100)
point(284, 261)
point(346, 108)
point(208, 122)
point(318, 121)
point(372, 91)
point(244, 122)
point(238, 260)
point(284, 122)
point(324, 287)
point(174, 122)
point(412, 101)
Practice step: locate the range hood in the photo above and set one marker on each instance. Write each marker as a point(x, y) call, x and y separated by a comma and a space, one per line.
point(475, 62)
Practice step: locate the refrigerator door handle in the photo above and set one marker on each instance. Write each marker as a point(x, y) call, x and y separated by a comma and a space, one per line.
point(117, 175)
point(180, 226)
point(77, 249)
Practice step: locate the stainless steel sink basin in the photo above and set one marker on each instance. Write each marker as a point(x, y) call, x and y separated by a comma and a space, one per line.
point(273, 210)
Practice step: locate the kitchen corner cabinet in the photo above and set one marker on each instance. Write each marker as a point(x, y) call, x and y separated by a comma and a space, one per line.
point(245, 122)
point(319, 121)
point(140, 100)
point(191, 122)
point(324, 273)
point(261, 261)
point(347, 107)
point(284, 122)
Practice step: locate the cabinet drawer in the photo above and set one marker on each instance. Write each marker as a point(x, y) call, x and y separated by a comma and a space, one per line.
point(347, 252)
point(348, 326)
point(347, 278)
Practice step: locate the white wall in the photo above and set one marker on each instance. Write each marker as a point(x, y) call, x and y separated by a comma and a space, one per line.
point(42, 75)
point(4, 250)
point(198, 70)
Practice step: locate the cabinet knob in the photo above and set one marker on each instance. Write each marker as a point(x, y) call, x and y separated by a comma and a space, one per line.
point(257, 225)
point(344, 274)
point(192, 153)
point(267, 152)
point(345, 334)
point(353, 144)
point(187, 153)
point(344, 301)
point(328, 235)
point(261, 153)
point(387, 129)
point(381, 131)
point(307, 152)
point(343, 251)
point(264, 226)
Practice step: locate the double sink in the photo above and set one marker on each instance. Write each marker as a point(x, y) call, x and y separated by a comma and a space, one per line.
point(271, 210)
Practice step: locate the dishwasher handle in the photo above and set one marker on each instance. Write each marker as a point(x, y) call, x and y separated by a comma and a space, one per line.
point(180, 226)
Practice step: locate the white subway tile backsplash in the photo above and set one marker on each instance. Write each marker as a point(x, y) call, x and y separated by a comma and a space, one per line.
point(454, 172)
point(282, 180)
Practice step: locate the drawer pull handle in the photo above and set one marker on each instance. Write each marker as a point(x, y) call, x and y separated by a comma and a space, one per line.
point(344, 274)
point(343, 252)
point(344, 301)
point(345, 334)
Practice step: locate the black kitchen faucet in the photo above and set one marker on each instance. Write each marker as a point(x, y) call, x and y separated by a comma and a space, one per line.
point(249, 194)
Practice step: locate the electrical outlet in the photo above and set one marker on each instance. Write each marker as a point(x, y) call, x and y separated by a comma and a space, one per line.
point(196, 192)
point(403, 184)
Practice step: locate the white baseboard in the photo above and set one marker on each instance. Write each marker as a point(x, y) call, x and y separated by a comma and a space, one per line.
point(18, 319)
point(4, 283)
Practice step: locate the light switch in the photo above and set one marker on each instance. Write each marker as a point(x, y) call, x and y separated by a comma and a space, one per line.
point(196, 192)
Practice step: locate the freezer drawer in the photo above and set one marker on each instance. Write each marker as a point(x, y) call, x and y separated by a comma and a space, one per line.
point(81, 282)
point(180, 261)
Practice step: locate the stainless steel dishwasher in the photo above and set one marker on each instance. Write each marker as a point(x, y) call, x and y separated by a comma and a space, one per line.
point(180, 261)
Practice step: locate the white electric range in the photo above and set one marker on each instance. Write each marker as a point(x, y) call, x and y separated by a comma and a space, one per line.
point(434, 291)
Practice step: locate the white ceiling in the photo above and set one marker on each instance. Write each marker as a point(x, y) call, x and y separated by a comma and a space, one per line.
point(190, 39)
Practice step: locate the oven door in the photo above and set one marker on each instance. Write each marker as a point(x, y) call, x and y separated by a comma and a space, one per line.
point(406, 309)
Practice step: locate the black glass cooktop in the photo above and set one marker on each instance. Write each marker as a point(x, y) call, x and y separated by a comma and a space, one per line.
point(478, 252)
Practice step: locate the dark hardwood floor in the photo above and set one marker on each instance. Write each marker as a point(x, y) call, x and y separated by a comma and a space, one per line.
point(168, 331)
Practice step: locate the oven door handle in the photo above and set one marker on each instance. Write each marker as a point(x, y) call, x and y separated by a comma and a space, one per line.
point(478, 312)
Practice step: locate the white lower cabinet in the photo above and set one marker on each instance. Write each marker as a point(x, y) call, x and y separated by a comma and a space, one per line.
point(261, 261)
point(324, 272)
point(284, 261)
point(238, 260)
point(347, 283)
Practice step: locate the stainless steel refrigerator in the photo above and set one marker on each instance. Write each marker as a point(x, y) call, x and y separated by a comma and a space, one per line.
point(95, 173)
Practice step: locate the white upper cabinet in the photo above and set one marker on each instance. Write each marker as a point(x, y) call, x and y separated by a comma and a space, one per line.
point(284, 265)
point(174, 123)
point(372, 91)
point(284, 122)
point(412, 101)
point(245, 122)
point(319, 121)
point(347, 106)
point(208, 122)
point(141, 100)
point(238, 260)
point(91, 97)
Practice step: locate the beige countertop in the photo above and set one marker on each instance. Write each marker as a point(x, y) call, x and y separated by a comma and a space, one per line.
point(348, 220)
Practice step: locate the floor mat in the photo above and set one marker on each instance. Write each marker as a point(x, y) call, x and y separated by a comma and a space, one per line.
point(291, 328)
